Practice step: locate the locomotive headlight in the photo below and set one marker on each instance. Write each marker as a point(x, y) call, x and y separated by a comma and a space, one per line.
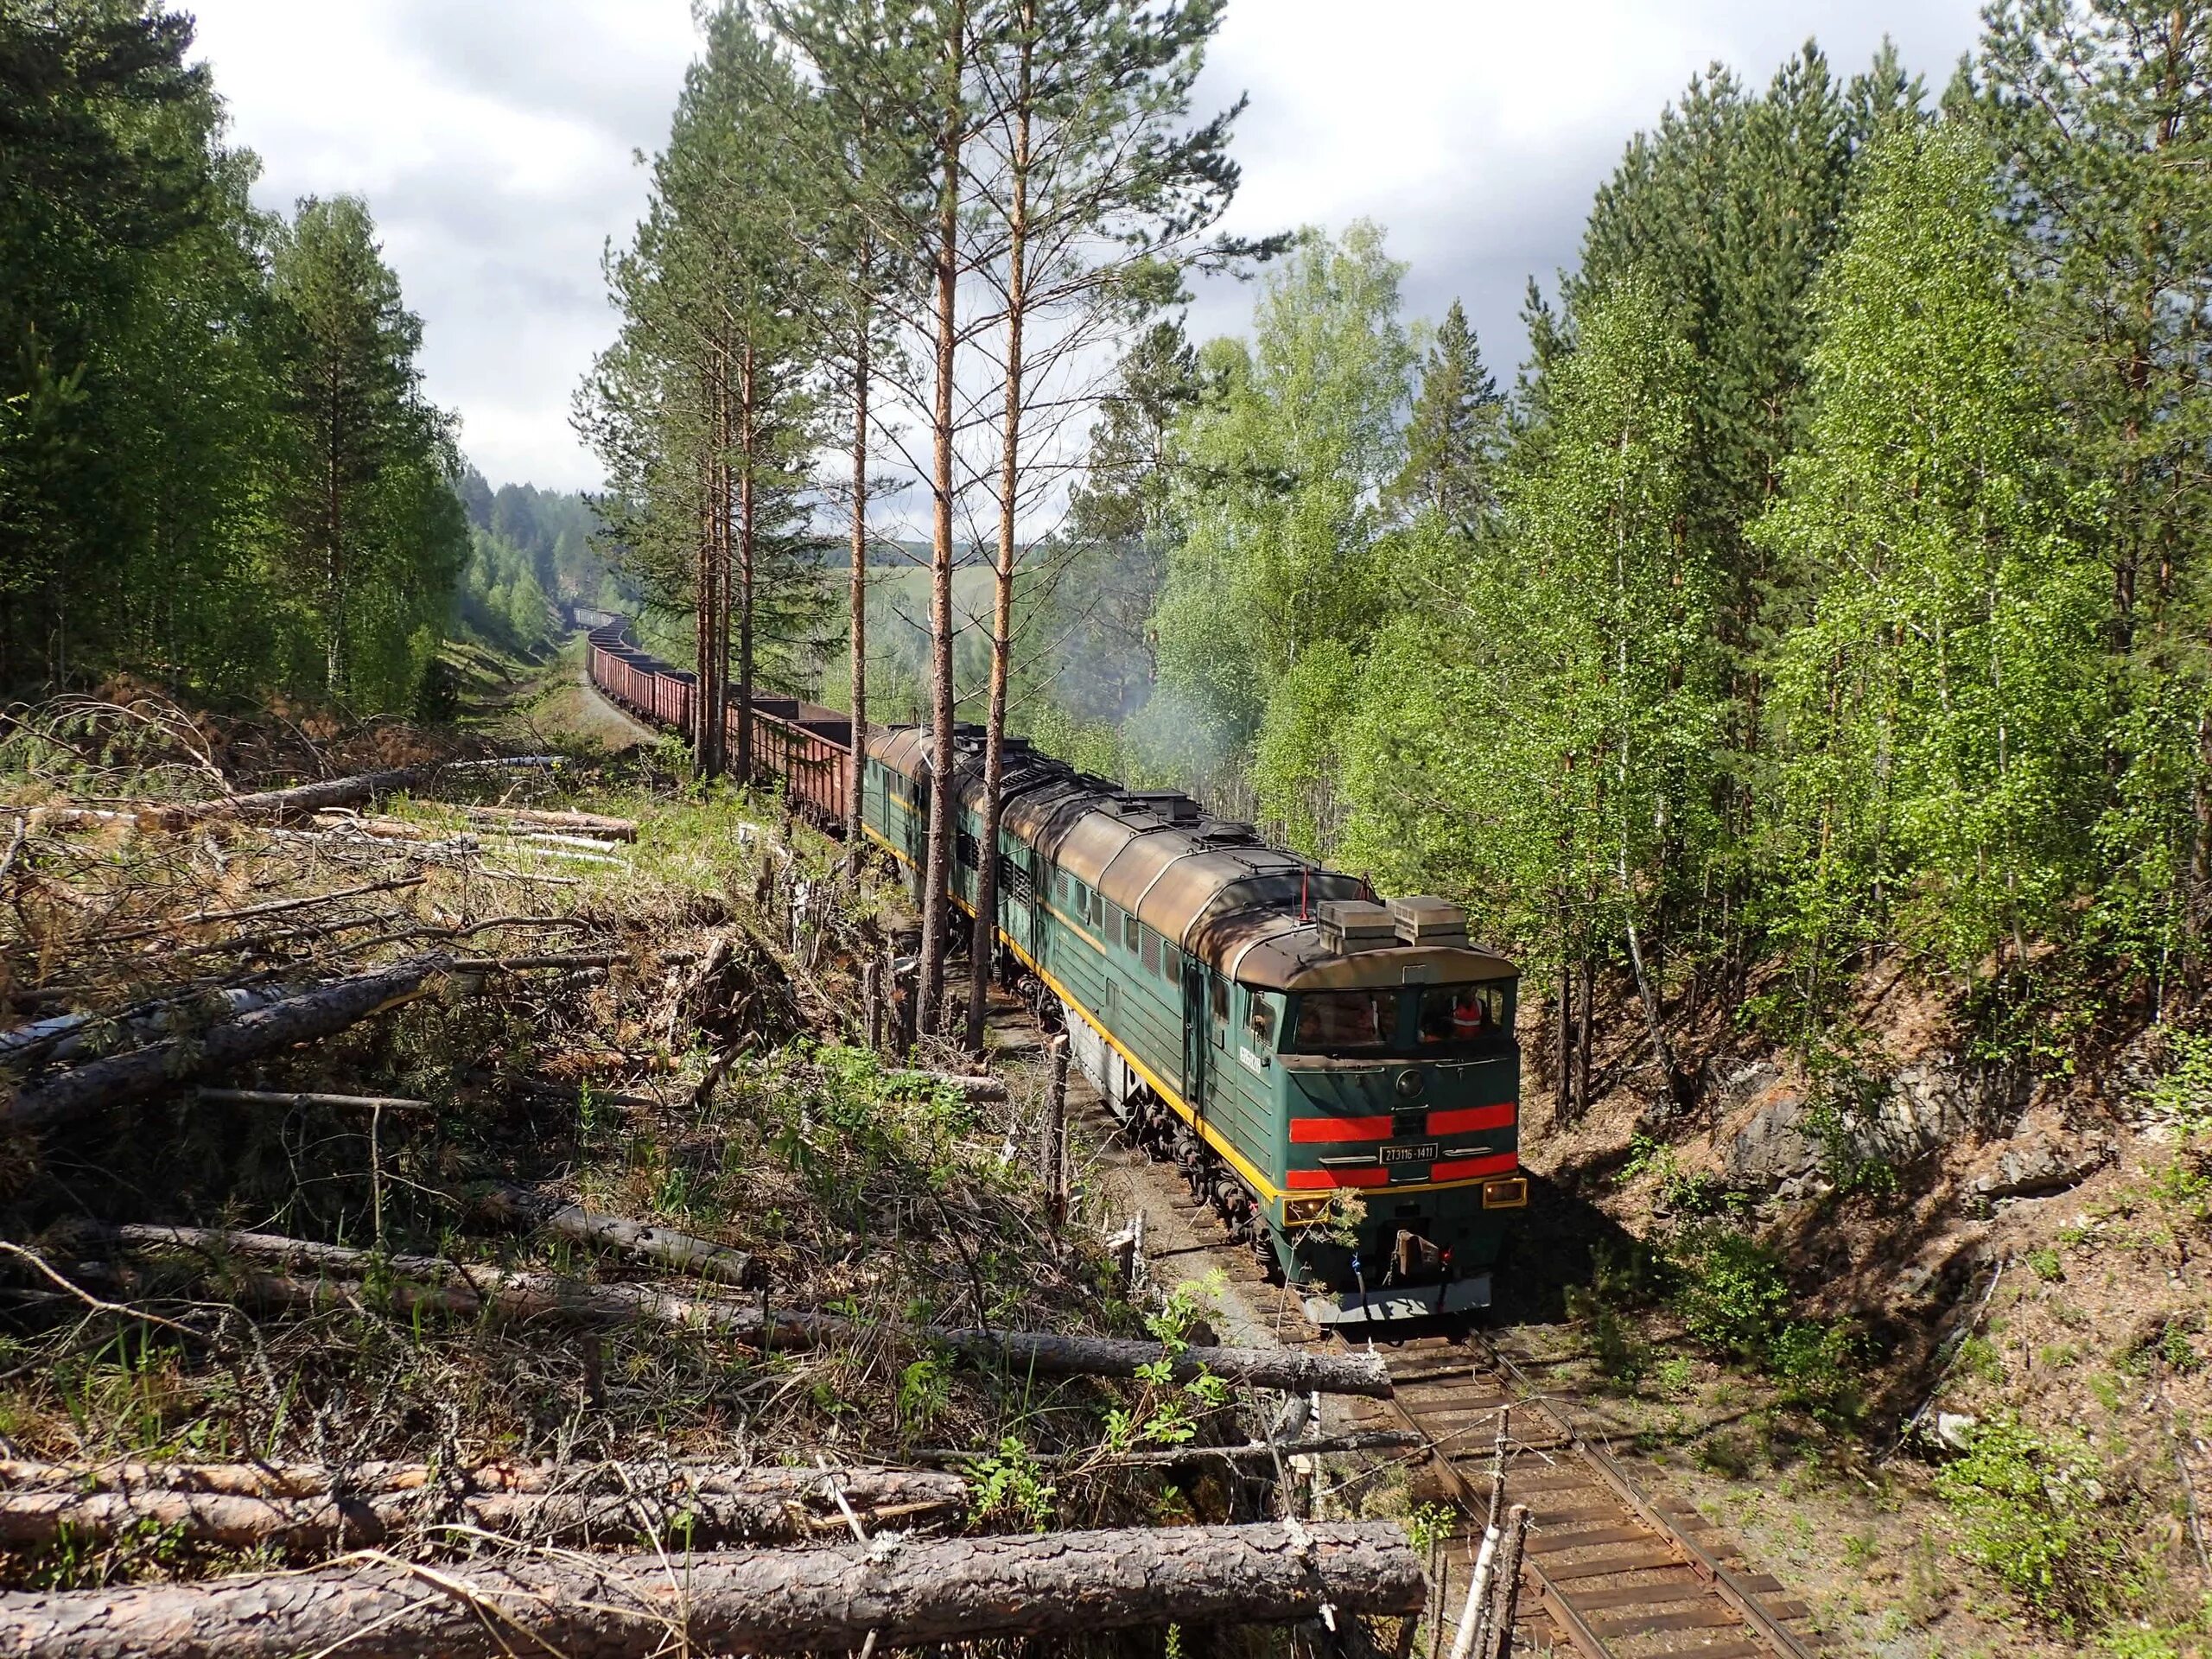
point(1302, 1212)
point(1410, 1083)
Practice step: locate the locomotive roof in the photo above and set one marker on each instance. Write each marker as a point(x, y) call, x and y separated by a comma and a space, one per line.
point(1210, 885)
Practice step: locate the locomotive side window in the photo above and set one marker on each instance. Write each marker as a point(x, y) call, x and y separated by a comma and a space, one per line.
point(1220, 1009)
point(1130, 931)
point(1171, 964)
point(1261, 1023)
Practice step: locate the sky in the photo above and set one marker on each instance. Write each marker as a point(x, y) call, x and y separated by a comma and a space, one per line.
point(496, 142)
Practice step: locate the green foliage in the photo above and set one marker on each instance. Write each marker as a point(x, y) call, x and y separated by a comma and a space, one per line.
point(924, 1392)
point(1429, 1525)
point(1280, 463)
point(1455, 436)
point(1730, 1295)
point(215, 464)
point(2028, 1506)
point(1733, 1296)
point(1010, 1487)
point(1933, 716)
point(2183, 1092)
point(1698, 1192)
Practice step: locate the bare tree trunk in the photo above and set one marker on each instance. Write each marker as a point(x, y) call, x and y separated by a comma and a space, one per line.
point(1645, 994)
point(662, 1246)
point(748, 433)
point(703, 620)
point(859, 699)
point(921, 1593)
point(305, 1018)
point(1585, 1037)
point(983, 947)
point(1563, 1093)
point(470, 1289)
point(937, 872)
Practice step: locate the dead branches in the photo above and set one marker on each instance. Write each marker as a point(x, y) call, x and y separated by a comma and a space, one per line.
point(304, 1018)
point(905, 1592)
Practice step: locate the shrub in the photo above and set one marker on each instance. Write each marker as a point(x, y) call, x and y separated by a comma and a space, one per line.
point(2027, 1506)
point(1732, 1295)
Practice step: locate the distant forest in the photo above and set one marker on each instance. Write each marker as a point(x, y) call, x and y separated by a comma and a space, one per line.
point(530, 552)
point(218, 467)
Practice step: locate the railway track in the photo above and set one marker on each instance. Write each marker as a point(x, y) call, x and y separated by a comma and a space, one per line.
point(1610, 1572)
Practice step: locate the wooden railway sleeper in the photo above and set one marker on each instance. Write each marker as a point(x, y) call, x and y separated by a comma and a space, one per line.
point(1724, 1584)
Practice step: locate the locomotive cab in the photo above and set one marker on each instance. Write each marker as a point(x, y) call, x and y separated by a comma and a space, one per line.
point(1396, 1076)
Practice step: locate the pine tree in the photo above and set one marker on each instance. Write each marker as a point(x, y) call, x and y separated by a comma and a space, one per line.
point(1457, 431)
point(703, 410)
point(376, 531)
point(1101, 184)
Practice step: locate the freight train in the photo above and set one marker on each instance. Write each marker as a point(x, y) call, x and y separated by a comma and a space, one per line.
point(1337, 1078)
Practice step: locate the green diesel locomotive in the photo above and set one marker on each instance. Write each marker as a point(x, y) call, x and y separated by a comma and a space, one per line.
point(1338, 1078)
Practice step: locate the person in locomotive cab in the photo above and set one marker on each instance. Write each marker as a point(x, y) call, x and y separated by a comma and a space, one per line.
point(1470, 1017)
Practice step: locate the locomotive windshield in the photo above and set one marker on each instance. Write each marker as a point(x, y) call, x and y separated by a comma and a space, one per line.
point(1417, 1019)
point(1328, 1020)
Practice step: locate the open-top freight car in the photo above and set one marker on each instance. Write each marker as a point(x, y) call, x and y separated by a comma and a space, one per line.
point(806, 747)
point(1338, 1078)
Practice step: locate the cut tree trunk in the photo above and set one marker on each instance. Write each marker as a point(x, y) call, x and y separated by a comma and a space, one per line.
point(642, 1504)
point(904, 1594)
point(470, 1289)
point(590, 823)
point(865, 1484)
point(504, 1201)
point(307, 797)
point(311, 1015)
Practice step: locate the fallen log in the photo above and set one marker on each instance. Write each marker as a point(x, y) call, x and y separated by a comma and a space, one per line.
point(304, 1018)
point(906, 1593)
point(637, 1503)
point(470, 1290)
point(518, 964)
point(274, 907)
point(1099, 1460)
point(279, 1098)
point(866, 1484)
point(503, 1201)
point(306, 797)
point(590, 824)
point(63, 1037)
point(972, 1088)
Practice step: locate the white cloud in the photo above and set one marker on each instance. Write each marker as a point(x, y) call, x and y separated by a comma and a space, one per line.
point(493, 140)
